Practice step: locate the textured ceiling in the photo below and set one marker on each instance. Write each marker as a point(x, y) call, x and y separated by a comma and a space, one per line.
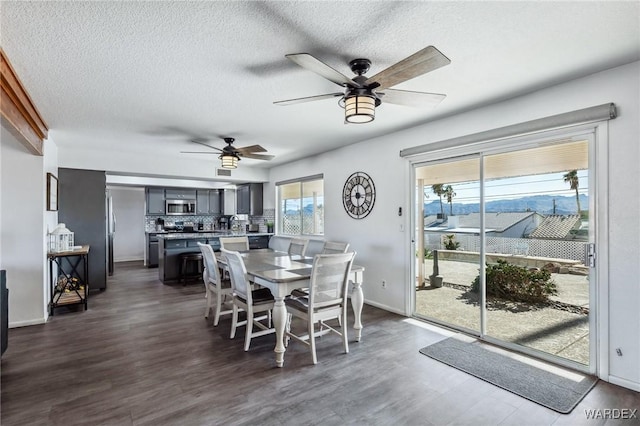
point(151, 76)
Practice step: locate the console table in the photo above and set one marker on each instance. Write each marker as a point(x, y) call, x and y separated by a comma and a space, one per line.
point(70, 285)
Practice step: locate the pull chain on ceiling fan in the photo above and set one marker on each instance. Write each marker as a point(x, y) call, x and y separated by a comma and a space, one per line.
point(230, 155)
point(362, 95)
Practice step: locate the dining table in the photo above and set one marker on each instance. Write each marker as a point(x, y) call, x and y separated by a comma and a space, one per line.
point(281, 273)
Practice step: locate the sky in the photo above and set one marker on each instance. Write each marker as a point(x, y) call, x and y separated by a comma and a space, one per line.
point(517, 187)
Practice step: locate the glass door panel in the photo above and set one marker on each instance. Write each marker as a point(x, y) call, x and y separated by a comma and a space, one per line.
point(536, 233)
point(448, 258)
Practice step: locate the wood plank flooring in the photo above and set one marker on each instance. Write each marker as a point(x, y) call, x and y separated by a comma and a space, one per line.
point(143, 354)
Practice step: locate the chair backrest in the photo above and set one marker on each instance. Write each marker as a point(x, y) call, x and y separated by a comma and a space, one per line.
point(211, 270)
point(329, 279)
point(235, 243)
point(238, 274)
point(334, 247)
point(298, 246)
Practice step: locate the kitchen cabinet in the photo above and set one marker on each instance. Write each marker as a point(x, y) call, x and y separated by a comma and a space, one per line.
point(216, 201)
point(155, 200)
point(203, 201)
point(228, 198)
point(152, 250)
point(179, 194)
point(249, 199)
point(258, 241)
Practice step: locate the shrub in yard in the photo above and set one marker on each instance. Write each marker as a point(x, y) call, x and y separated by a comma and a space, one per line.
point(511, 282)
point(450, 242)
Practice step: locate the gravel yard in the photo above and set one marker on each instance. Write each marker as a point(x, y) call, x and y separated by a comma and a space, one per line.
point(548, 329)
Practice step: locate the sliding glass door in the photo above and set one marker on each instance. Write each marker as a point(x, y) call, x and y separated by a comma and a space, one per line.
point(537, 284)
point(501, 243)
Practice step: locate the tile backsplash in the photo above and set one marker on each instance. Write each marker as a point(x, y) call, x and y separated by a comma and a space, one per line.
point(209, 221)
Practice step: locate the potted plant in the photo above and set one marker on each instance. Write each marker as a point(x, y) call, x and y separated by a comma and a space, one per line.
point(269, 224)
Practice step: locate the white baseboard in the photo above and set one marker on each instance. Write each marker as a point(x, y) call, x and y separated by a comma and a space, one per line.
point(26, 323)
point(385, 307)
point(128, 259)
point(624, 383)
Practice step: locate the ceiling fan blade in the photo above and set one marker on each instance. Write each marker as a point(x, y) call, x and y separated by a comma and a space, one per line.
point(421, 62)
point(251, 148)
point(410, 98)
point(201, 142)
point(308, 99)
point(199, 152)
point(257, 156)
point(313, 64)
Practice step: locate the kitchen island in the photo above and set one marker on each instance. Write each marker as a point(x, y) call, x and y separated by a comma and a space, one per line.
point(172, 245)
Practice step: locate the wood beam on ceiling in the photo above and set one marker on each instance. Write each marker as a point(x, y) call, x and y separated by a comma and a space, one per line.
point(19, 110)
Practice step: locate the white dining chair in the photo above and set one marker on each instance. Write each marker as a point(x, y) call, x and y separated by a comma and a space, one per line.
point(234, 243)
point(327, 300)
point(333, 247)
point(217, 288)
point(329, 247)
point(252, 301)
point(298, 246)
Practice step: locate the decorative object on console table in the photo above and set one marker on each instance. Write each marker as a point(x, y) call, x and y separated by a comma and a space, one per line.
point(60, 239)
point(52, 192)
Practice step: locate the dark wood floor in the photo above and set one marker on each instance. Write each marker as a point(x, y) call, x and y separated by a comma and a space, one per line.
point(144, 354)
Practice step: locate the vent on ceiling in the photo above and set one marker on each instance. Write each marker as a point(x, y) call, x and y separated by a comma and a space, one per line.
point(223, 172)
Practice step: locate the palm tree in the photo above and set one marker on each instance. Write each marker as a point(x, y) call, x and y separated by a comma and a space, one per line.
point(448, 192)
point(572, 179)
point(438, 189)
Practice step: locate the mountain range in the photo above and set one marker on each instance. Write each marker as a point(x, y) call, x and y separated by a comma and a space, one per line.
point(543, 204)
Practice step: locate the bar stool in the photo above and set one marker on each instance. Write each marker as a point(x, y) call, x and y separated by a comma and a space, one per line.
point(189, 261)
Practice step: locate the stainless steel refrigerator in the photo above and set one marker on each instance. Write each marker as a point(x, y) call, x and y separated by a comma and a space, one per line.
point(111, 230)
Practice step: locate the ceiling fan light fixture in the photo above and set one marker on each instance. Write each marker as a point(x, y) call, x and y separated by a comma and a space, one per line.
point(359, 109)
point(229, 161)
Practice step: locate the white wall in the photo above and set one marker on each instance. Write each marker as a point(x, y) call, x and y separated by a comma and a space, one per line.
point(383, 248)
point(50, 217)
point(129, 238)
point(23, 227)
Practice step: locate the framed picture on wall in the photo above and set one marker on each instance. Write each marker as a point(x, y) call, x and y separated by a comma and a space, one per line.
point(52, 192)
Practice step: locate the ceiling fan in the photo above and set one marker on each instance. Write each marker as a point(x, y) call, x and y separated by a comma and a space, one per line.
point(230, 155)
point(363, 94)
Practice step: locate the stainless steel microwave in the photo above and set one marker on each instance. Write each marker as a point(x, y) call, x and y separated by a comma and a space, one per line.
point(181, 207)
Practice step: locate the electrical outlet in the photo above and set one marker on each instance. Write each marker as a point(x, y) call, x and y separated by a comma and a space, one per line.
point(384, 284)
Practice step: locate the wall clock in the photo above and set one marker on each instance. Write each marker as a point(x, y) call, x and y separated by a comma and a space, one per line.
point(358, 195)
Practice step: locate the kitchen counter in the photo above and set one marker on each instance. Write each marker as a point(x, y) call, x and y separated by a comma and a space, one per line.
point(170, 245)
point(207, 234)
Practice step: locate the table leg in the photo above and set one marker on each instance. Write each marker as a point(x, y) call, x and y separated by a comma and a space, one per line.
point(357, 301)
point(279, 322)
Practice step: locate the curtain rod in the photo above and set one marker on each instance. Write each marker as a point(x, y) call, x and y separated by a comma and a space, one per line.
point(581, 116)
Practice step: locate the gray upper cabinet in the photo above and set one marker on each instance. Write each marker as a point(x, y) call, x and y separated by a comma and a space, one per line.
point(249, 199)
point(208, 201)
point(202, 201)
point(180, 194)
point(215, 201)
point(228, 199)
point(155, 201)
